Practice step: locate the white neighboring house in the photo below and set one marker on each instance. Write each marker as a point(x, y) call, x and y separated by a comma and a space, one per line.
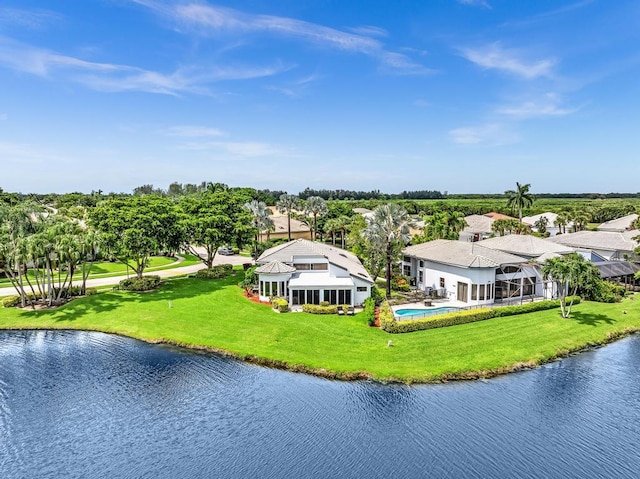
point(607, 245)
point(527, 246)
point(478, 228)
point(619, 224)
point(471, 273)
point(551, 228)
point(305, 271)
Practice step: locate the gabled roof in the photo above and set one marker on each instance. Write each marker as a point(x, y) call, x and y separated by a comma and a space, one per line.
point(275, 267)
point(286, 252)
point(525, 245)
point(604, 240)
point(619, 224)
point(462, 254)
point(362, 211)
point(478, 224)
point(498, 216)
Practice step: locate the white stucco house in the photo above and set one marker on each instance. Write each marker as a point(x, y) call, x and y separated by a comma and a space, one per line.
point(552, 228)
point(472, 273)
point(304, 271)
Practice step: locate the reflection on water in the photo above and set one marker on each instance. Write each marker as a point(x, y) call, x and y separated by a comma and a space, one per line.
point(75, 404)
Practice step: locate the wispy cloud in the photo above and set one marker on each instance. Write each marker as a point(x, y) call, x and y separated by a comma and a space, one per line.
point(549, 14)
point(192, 131)
point(35, 19)
point(494, 56)
point(208, 20)
point(297, 88)
point(116, 78)
point(475, 3)
point(547, 106)
point(492, 134)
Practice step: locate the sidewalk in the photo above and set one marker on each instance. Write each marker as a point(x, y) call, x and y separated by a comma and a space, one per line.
point(98, 282)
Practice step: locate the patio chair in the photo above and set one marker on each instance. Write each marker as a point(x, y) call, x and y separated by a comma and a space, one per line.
point(350, 311)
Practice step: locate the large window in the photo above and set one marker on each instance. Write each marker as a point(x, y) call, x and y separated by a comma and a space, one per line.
point(442, 282)
point(311, 266)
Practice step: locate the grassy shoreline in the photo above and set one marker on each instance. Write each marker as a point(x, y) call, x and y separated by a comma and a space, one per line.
point(214, 316)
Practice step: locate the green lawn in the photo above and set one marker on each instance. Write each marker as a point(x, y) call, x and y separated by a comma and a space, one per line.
point(215, 315)
point(107, 269)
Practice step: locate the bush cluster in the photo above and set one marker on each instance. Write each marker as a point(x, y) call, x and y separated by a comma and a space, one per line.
point(146, 283)
point(14, 300)
point(317, 309)
point(280, 304)
point(217, 272)
point(400, 283)
point(390, 325)
point(370, 311)
point(603, 292)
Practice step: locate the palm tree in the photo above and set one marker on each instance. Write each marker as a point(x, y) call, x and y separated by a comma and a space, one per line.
point(261, 220)
point(286, 204)
point(541, 224)
point(330, 227)
point(388, 231)
point(315, 206)
point(567, 272)
point(343, 224)
point(562, 220)
point(519, 199)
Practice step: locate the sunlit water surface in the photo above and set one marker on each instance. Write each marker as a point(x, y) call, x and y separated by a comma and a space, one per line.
point(78, 404)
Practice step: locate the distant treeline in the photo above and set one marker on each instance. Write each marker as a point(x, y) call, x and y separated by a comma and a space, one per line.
point(371, 195)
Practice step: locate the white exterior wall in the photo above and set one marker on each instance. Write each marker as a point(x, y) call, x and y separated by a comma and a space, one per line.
point(454, 274)
point(262, 278)
point(361, 296)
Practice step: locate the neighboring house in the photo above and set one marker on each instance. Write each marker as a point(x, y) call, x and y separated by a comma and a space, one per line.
point(471, 273)
point(280, 231)
point(618, 225)
point(498, 216)
point(363, 211)
point(551, 227)
point(304, 271)
point(598, 245)
point(527, 246)
point(478, 228)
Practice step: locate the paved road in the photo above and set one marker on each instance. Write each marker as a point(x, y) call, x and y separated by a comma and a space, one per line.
point(219, 259)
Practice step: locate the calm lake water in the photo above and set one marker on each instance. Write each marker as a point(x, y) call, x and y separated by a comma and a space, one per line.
point(75, 404)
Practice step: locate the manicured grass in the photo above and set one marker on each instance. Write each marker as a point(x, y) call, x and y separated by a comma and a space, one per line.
point(215, 315)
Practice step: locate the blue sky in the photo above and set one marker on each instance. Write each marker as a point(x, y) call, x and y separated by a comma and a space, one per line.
point(464, 96)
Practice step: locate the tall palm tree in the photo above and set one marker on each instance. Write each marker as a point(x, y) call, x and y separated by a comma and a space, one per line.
point(315, 206)
point(286, 204)
point(569, 273)
point(519, 198)
point(330, 227)
point(261, 219)
point(562, 220)
point(388, 231)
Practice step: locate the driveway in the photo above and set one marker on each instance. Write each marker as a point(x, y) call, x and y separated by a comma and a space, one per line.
point(168, 273)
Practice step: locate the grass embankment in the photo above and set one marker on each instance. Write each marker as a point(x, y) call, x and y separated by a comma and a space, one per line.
point(214, 315)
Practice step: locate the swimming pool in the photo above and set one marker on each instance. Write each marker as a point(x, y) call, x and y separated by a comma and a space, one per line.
point(403, 314)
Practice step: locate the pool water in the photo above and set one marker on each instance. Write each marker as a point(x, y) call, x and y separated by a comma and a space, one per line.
point(422, 313)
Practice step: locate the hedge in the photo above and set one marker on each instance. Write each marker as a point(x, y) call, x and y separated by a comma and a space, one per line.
point(280, 304)
point(14, 300)
point(389, 324)
point(317, 309)
point(217, 272)
point(370, 311)
point(146, 283)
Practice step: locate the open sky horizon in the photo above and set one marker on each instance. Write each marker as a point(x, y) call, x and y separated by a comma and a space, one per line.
point(464, 96)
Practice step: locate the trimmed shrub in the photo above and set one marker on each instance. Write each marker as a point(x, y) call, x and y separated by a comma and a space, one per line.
point(11, 301)
point(370, 311)
point(217, 272)
point(280, 304)
point(146, 283)
point(317, 309)
point(400, 283)
point(90, 291)
point(324, 303)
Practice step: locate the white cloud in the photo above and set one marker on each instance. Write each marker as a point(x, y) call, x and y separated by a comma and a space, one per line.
point(492, 134)
point(207, 20)
point(30, 19)
point(475, 3)
point(548, 105)
point(192, 131)
point(494, 56)
point(370, 31)
point(116, 78)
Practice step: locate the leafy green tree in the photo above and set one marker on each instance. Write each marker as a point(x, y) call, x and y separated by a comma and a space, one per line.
point(314, 207)
point(138, 227)
point(387, 232)
point(519, 198)
point(444, 225)
point(288, 204)
point(569, 273)
point(212, 220)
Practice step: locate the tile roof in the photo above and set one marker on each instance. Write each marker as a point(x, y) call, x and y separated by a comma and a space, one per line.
point(280, 224)
point(478, 224)
point(275, 267)
point(286, 252)
point(604, 240)
point(619, 224)
point(525, 245)
point(462, 253)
